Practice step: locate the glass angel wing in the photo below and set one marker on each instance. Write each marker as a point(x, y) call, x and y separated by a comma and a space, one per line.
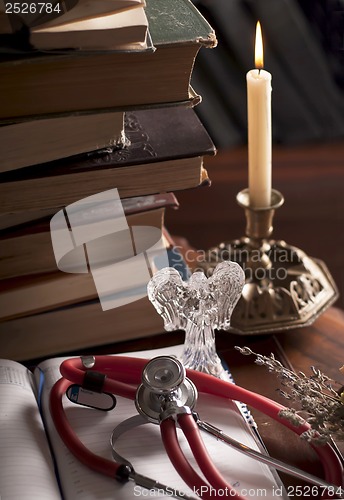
point(198, 306)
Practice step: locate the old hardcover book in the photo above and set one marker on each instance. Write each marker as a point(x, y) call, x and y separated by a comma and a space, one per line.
point(58, 326)
point(93, 33)
point(57, 13)
point(166, 153)
point(77, 326)
point(34, 293)
point(27, 250)
point(79, 81)
point(30, 142)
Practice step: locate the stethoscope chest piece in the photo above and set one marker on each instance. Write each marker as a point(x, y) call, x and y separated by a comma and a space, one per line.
point(164, 383)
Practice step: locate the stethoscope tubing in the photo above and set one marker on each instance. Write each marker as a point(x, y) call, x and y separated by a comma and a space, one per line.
point(123, 375)
point(71, 439)
point(211, 473)
point(179, 461)
point(331, 463)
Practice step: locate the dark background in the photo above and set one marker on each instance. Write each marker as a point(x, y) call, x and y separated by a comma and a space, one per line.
point(304, 52)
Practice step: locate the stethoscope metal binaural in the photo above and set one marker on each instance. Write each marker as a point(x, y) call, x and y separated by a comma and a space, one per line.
point(164, 395)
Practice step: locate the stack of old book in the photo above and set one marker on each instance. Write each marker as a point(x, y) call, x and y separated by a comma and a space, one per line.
point(98, 101)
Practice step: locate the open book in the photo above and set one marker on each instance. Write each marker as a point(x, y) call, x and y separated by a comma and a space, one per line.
point(27, 467)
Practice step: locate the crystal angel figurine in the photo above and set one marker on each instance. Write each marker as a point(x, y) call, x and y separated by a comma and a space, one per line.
point(198, 306)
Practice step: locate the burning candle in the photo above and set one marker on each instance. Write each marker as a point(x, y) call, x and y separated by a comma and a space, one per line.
point(259, 129)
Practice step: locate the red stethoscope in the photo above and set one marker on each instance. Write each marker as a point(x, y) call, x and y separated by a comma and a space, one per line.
point(165, 396)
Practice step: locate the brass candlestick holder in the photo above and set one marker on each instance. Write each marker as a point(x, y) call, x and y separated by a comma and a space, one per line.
point(284, 288)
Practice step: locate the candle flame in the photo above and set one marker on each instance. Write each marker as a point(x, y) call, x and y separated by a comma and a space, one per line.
point(259, 53)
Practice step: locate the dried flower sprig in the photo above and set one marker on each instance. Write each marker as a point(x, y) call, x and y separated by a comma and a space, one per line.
point(319, 403)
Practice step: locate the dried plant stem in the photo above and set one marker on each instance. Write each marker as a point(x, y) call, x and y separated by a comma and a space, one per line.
point(319, 403)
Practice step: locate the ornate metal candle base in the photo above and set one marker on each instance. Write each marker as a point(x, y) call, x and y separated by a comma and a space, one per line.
point(284, 288)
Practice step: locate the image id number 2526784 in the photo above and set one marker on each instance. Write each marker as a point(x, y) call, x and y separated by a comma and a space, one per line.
point(33, 8)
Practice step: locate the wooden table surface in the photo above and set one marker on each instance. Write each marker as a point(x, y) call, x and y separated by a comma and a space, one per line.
point(311, 178)
point(312, 181)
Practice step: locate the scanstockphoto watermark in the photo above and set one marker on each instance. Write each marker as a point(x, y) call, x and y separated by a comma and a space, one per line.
point(256, 269)
point(209, 491)
point(93, 236)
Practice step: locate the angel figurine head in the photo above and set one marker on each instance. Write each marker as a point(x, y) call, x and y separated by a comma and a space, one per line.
point(198, 306)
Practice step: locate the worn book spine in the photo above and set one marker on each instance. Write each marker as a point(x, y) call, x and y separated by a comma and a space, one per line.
point(27, 250)
point(29, 85)
point(81, 325)
point(31, 142)
point(165, 153)
point(76, 327)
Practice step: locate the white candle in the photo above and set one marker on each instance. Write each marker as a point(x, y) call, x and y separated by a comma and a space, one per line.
point(259, 129)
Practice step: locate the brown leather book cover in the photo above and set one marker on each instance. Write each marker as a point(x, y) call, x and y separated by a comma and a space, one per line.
point(164, 153)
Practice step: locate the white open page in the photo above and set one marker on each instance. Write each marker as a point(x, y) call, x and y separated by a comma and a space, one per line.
point(26, 467)
point(143, 447)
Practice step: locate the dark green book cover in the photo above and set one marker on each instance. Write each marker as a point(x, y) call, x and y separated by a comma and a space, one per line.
point(177, 21)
